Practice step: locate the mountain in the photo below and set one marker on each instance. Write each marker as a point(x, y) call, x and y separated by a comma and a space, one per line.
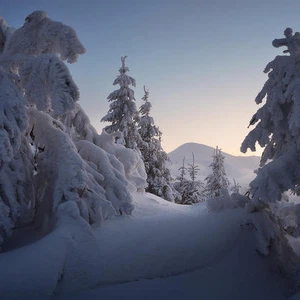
point(240, 168)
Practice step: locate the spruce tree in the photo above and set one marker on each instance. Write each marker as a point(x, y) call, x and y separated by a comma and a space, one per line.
point(122, 113)
point(50, 155)
point(277, 125)
point(217, 182)
point(155, 158)
point(189, 189)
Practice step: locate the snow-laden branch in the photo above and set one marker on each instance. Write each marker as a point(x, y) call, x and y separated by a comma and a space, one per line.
point(41, 35)
point(48, 84)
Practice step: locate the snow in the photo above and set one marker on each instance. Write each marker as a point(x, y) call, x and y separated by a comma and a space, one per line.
point(237, 167)
point(162, 250)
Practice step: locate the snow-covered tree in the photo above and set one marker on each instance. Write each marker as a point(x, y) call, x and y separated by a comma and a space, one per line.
point(217, 183)
point(277, 126)
point(235, 187)
point(190, 190)
point(122, 113)
point(50, 153)
point(183, 170)
point(155, 158)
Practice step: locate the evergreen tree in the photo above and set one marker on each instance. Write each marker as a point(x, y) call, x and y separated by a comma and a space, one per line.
point(277, 126)
point(235, 188)
point(183, 169)
point(189, 189)
point(50, 154)
point(217, 183)
point(122, 113)
point(155, 158)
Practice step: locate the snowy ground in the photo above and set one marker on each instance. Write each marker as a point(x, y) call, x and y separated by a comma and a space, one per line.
point(163, 251)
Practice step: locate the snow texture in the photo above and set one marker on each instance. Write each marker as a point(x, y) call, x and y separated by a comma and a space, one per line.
point(40, 35)
point(73, 263)
point(277, 125)
point(16, 194)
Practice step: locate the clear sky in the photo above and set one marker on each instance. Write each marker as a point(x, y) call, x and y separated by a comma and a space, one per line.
point(202, 60)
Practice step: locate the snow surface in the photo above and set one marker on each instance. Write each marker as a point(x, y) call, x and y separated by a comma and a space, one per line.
point(163, 250)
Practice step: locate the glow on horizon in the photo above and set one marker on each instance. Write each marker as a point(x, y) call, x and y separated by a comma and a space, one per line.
point(202, 61)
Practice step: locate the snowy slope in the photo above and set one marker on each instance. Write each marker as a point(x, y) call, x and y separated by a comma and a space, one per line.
point(238, 167)
point(164, 249)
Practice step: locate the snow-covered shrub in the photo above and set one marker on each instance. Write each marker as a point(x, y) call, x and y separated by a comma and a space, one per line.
point(130, 159)
point(226, 202)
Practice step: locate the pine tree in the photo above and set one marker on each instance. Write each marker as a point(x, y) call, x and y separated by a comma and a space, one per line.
point(217, 182)
point(155, 158)
point(122, 113)
point(277, 126)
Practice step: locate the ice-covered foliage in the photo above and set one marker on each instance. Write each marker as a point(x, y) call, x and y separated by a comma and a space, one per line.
point(62, 174)
point(155, 158)
point(16, 194)
point(50, 153)
point(122, 113)
point(217, 183)
point(40, 35)
point(79, 127)
point(278, 124)
point(131, 160)
point(48, 84)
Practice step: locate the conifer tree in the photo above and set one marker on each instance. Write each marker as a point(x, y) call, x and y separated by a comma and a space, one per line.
point(277, 124)
point(155, 158)
point(122, 113)
point(217, 182)
point(50, 154)
point(189, 189)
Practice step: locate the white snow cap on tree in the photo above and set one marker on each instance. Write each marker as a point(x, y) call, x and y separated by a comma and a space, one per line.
point(217, 183)
point(278, 124)
point(50, 154)
point(122, 113)
point(40, 35)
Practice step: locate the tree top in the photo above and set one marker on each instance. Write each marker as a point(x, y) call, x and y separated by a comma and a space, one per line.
point(292, 42)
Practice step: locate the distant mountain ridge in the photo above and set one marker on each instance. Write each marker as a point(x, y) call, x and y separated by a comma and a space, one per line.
point(240, 168)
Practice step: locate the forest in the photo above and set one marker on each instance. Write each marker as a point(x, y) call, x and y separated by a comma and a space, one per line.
point(69, 196)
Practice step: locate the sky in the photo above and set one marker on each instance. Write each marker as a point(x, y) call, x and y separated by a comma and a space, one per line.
point(201, 60)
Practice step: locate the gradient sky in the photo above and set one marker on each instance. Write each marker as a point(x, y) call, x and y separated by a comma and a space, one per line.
point(202, 61)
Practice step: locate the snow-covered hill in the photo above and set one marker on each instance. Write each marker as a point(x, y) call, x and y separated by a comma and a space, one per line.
point(240, 168)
